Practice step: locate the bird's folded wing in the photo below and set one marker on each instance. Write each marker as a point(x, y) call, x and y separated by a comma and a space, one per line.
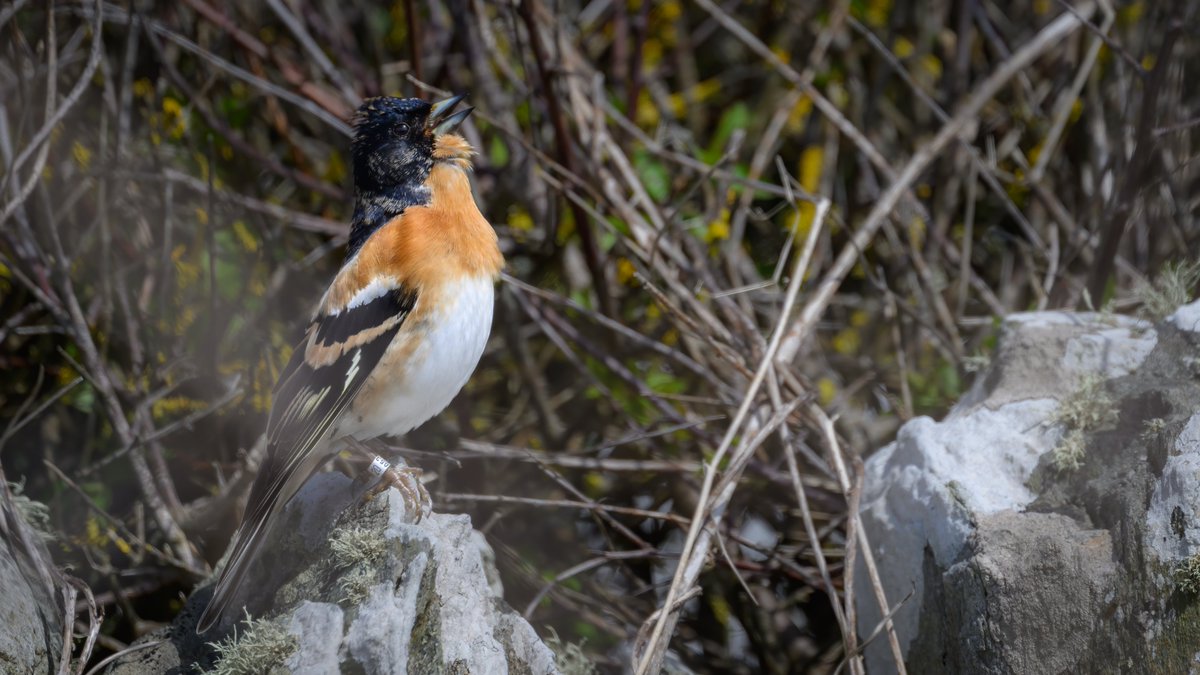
point(325, 373)
point(339, 353)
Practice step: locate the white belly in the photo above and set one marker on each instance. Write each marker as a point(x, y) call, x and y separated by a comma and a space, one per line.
point(436, 371)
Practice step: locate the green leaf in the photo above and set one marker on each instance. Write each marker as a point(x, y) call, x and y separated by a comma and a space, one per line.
point(736, 117)
point(98, 492)
point(607, 240)
point(586, 630)
point(654, 176)
point(620, 225)
point(498, 152)
point(235, 110)
point(664, 383)
point(84, 398)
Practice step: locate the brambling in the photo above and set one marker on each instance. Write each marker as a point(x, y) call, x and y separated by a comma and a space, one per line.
point(403, 324)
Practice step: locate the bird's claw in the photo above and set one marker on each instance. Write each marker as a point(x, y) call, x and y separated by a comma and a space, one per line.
point(407, 481)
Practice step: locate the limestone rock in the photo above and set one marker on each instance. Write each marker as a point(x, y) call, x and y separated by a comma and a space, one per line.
point(30, 602)
point(367, 591)
point(1011, 564)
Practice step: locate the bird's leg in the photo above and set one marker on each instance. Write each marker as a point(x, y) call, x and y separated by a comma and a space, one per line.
point(360, 448)
point(406, 479)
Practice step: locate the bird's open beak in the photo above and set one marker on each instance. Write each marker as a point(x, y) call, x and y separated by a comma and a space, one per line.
point(442, 123)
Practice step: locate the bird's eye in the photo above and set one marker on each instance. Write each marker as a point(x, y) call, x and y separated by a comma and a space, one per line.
point(402, 130)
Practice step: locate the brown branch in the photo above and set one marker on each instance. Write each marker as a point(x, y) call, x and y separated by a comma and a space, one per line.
point(1049, 37)
point(414, 38)
point(243, 148)
point(591, 251)
point(293, 74)
point(1136, 175)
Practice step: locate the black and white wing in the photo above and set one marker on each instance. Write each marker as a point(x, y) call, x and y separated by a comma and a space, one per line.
point(325, 373)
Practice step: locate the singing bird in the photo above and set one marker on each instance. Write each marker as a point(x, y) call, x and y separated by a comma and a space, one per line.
point(403, 324)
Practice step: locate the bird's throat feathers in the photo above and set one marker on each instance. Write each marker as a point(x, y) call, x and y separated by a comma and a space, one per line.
point(375, 207)
point(453, 149)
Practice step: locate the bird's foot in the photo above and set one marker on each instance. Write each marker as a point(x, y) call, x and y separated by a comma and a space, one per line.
point(406, 479)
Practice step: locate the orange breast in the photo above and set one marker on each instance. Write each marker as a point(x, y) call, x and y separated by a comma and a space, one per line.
point(426, 246)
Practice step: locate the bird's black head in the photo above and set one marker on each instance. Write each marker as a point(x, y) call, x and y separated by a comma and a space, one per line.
point(392, 154)
point(391, 146)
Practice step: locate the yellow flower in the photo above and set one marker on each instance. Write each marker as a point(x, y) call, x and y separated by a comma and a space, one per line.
point(646, 114)
point(171, 405)
point(625, 270)
point(244, 236)
point(799, 114)
point(916, 232)
point(720, 609)
point(1131, 13)
point(826, 391)
point(519, 219)
point(669, 11)
point(931, 65)
point(143, 88)
point(122, 545)
point(876, 13)
point(718, 230)
point(92, 534)
point(812, 161)
point(847, 341)
point(83, 156)
point(174, 121)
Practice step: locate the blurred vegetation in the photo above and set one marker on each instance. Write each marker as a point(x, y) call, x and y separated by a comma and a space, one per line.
point(176, 193)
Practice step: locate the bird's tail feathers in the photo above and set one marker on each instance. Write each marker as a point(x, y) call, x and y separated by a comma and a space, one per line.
point(245, 551)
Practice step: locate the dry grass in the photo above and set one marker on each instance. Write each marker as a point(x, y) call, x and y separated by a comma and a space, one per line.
point(1174, 286)
point(1082, 411)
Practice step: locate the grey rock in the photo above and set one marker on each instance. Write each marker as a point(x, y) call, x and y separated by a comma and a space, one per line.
point(1173, 517)
point(1006, 564)
point(427, 600)
point(316, 620)
point(29, 642)
point(1066, 588)
point(1187, 317)
point(30, 602)
point(25, 644)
